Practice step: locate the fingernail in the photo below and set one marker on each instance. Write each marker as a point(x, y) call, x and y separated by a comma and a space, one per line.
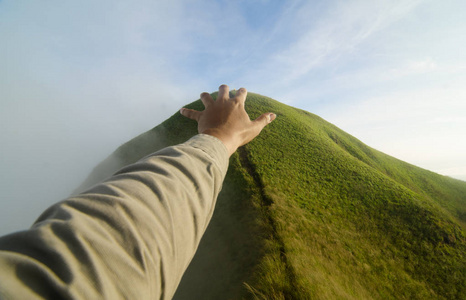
point(181, 110)
point(271, 117)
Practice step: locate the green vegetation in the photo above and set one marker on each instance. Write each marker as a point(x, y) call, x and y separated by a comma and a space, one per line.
point(355, 222)
point(310, 212)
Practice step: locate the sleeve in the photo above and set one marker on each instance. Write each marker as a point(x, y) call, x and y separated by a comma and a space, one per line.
point(130, 237)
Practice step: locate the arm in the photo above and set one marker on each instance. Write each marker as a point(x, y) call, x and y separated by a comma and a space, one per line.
point(130, 237)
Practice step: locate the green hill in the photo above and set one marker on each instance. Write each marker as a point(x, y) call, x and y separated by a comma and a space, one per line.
point(309, 212)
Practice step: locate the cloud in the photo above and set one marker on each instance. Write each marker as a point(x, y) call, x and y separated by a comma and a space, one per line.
point(336, 33)
point(79, 79)
point(419, 66)
point(76, 81)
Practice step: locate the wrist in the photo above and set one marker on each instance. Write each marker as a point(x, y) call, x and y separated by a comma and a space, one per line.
point(226, 139)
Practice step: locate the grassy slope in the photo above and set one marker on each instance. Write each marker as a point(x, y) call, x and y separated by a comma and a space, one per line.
point(308, 211)
point(354, 222)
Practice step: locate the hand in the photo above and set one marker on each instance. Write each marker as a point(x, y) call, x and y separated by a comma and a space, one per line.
point(226, 118)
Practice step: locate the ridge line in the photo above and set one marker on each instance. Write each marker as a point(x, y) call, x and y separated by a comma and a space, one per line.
point(265, 203)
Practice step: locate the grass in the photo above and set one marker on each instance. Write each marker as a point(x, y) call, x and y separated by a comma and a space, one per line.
point(310, 212)
point(355, 222)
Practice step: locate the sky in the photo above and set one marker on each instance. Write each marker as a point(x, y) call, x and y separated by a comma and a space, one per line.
point(79, 78)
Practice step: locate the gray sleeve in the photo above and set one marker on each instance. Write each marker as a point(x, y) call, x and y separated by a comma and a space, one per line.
point(130, 237)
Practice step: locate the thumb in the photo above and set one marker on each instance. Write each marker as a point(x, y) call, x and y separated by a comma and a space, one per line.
point(265, 119)
point(259, 124)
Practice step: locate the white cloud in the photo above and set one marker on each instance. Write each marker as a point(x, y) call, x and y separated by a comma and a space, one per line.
point(413, 67)
point(76, 81)
point(338, 33)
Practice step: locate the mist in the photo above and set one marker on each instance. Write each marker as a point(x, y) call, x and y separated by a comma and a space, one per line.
point(52, 139)
point(68, 101)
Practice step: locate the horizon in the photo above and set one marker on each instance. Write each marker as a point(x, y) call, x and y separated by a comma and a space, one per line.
point(79, 80)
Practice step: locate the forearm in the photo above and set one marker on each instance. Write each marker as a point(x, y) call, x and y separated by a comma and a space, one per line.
point(129, 237)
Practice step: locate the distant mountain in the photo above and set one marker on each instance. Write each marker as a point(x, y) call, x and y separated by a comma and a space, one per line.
point(309, 212)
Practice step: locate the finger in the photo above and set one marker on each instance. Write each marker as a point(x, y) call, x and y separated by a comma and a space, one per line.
point(191, 113)
point(263, 120)
point(223, 93)
point(241, 95)
point(206, 98)
point(257, 125)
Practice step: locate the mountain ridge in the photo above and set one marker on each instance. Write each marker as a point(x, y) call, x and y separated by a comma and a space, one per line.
point(309, 211)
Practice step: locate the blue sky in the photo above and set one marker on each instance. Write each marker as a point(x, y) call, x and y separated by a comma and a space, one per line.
point(79, 78)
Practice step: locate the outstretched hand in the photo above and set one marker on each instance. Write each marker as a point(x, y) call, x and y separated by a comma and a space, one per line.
point(226, 118)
